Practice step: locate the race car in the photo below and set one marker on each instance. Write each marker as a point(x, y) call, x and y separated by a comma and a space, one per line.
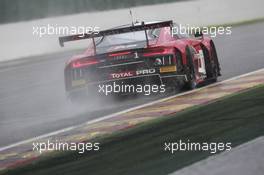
point(141, 53)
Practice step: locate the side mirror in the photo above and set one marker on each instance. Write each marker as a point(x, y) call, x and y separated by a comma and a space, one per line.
point(198, 34)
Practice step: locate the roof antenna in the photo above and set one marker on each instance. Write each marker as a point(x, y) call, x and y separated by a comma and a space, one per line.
point(131, 14)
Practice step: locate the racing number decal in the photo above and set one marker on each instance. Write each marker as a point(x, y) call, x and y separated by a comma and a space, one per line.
point(201, 66)
point(136, 55)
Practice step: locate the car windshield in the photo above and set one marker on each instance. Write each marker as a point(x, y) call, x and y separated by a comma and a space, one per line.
point(125, 40)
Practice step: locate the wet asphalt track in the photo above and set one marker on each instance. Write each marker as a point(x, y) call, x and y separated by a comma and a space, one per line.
point(33, 101)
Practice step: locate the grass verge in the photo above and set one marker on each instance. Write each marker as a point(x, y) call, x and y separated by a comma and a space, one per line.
point(236, 119)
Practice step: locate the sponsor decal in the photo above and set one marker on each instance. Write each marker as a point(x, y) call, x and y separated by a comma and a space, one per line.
point(122, 74)
point(120, 57)
point(145, 71)
point(124, 55)
point(132, 73)
point(166, 69)
point(201, 68)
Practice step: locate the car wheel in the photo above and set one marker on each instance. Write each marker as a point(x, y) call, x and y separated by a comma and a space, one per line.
point(190, 71)
point(211, 74)
point(214, 63)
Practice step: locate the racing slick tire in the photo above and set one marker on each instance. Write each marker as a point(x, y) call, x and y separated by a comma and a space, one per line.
point(215, 59)
point(190, 71)
point(211, 71)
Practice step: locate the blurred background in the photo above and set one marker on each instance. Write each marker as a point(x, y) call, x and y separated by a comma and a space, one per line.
point(21, 10)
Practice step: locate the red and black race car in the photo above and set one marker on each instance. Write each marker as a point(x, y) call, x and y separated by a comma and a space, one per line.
point(141, 53)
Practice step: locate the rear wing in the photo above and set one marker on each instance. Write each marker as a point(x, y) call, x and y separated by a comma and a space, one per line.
point(141, 27)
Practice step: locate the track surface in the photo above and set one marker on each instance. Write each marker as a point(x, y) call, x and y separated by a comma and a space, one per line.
point(33, 101)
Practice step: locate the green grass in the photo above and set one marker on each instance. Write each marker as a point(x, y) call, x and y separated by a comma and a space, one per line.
point(236, 119)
